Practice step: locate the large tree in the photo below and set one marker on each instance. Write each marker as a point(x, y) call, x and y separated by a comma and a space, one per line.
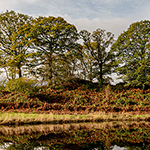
point(13, 47)
point(53, 39)
point(133, 54)
point(96, 52)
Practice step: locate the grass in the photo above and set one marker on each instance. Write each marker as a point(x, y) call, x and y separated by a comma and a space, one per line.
point(23, 118)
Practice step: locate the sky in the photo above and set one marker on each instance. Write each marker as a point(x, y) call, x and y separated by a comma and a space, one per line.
point(112, 15)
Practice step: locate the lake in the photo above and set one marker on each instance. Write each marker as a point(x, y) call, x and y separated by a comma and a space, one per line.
point(83, 136)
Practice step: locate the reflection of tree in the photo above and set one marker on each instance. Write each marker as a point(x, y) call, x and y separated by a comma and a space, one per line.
point(107, 142)
point(27, 146)
point(81, 137)
point(144, 147)
point(147, 146)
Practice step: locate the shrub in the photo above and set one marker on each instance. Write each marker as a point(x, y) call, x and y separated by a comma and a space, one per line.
point(2, 83)
point(1, 88)
point(21, 85)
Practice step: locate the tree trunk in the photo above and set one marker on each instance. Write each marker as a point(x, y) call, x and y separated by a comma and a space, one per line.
point(19, 71)
point(50, 71)
point(101, 72)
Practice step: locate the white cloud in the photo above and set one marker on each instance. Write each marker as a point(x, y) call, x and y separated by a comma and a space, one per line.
point(116, 25)
point(112, 15)
point(31, 1)
point(5, 5)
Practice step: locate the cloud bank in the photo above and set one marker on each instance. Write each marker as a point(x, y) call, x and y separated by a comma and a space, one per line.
point(111, 15)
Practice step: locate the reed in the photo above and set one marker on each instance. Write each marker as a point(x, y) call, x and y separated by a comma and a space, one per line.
point(107, 92)
point(22, 118)
point(46, 128)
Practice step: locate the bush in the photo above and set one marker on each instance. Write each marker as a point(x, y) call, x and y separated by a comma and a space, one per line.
point(21, 85)
point(2, 83)
point(1, 88)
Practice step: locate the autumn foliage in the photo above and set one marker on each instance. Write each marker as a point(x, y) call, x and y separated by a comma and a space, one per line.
point(77, 97)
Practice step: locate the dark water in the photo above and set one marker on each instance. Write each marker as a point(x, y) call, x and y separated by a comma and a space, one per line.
point(90, 136)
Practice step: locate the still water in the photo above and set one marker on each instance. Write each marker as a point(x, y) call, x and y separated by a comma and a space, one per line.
point(87, 136)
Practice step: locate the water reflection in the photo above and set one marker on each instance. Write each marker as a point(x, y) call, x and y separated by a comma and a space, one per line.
point(5, 145)
point(92, 136)
point(115, 147)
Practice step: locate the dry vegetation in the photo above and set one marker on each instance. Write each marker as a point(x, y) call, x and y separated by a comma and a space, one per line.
point(75, 102)
point(22, 118)
point(30, 129)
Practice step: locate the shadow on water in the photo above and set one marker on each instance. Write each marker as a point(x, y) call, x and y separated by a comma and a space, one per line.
point(90, 136)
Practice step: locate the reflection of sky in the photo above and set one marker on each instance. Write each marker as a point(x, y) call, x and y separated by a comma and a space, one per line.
point(5, 145)
point(118, 148)
point(114, 148)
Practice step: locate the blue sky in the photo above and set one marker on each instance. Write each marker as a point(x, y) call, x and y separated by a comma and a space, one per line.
point(112, 15)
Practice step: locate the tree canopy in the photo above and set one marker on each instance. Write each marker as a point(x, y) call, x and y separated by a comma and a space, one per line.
point(97, 51)
point(52, 38)
point(133, 54)
point(48, 48)
point(13, 47)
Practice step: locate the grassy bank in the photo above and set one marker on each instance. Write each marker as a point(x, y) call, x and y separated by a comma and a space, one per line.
point(75, 102)
point(23, 118)
point(77, 98)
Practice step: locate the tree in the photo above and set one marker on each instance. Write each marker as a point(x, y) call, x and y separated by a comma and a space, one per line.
point(98, 58)
point(53, 39)
point(13, 46)
point(133, 54)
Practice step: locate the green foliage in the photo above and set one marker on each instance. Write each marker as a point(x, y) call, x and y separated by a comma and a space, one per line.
point(97, 58)
point(56, 55)
point(53, 40)
point(2, 83)
point(21, 85)
point(13, 45)
point(133, 54)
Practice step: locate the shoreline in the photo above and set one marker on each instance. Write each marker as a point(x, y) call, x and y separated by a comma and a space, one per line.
point(14, 118)
point(10, 130)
